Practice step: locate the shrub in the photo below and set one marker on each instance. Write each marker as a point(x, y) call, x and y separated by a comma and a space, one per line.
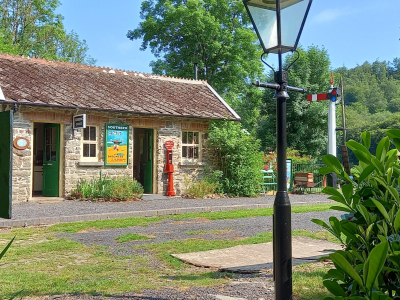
point(207, 186)
point(122, 188)
point(238, 156)
point(270, 158)
point(125, 188)
point(369, 265)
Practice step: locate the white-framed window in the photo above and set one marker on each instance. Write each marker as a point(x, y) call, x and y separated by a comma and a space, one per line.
point(89, 144)
point(190, 146)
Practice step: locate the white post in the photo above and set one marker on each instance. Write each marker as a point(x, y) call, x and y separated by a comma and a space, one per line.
point(331, 179)
point(332, 128)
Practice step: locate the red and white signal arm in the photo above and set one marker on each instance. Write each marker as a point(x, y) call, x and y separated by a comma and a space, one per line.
point(169, 145)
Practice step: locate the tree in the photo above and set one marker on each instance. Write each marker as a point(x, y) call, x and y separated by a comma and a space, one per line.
point(214, 33)
point(307, 122)
point(32, 28)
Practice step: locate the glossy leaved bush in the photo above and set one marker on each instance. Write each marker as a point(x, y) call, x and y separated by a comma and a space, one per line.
point(368, 267)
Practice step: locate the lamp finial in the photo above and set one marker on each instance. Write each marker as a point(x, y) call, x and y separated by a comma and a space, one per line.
point(331, 81)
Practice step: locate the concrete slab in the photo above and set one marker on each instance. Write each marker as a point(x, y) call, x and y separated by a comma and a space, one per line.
point(46, 200)
point(259, 257)
point(149, 197)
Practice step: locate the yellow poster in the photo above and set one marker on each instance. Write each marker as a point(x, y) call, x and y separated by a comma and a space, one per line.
point(117, 144)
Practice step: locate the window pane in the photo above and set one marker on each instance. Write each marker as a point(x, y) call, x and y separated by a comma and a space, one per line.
point(190, 152)
point(92, 133)
point(195, 137)
point(86, 134)
point(184, 137)
point(190, 137)
point(54, 136)
point(48, 153)
point(184, 151)
point(196, 152)
point(92, 150)
point(48, 135)
point(86, 150)
point(54, 152)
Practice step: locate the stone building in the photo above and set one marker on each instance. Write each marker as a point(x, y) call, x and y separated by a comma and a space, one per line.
point(129, 116)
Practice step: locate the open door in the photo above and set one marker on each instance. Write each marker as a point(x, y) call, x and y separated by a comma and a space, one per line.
point(6, 121)
point(51, 160)
point(148, 161)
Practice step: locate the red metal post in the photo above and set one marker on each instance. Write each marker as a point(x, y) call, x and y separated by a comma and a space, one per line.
point(169, 168)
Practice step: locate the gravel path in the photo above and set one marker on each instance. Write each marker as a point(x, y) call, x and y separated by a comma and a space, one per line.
point(171, 230)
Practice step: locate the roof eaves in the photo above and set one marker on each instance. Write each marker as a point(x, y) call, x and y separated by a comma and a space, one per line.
point(112, 110)
point(224, 103)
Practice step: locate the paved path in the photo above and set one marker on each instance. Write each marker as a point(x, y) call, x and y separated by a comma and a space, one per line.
point(50, 212)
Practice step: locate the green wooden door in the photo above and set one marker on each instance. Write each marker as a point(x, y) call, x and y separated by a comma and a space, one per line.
point(148, 165)
point(51, 160)
point(6, 121)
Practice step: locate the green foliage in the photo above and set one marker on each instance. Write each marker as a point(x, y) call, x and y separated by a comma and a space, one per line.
point(208, 186)
point(32, 28)
point(217, 35)
point(237, 155)
point(369, 265)
point(120, 189)
point(270, 158)
point(306, 121)
point(372, 99)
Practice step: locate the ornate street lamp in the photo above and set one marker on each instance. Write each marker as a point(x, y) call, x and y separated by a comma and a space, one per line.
point(278, 24)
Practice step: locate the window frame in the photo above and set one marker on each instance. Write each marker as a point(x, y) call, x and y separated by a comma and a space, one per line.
point(95, 158)
point(191, 160)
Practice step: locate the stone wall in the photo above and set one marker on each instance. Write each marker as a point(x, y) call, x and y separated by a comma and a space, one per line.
point(22, 160)
point(72, 169)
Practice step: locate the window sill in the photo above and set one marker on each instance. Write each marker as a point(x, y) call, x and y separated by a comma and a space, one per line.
point(192, 164)
point(91, 164)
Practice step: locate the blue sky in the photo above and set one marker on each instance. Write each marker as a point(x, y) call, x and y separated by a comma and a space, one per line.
point(352, 31)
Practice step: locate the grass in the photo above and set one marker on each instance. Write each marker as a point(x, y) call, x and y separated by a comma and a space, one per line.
point(307, 279)
point(40, 262)
point(197, 232)
point(219, 215)
point(132, 237)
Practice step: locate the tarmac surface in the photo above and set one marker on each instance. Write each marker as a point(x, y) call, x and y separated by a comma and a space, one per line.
point(242, 286)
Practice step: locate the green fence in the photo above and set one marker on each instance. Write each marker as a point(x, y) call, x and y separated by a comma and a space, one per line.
point(303, 168)
point(310, 168)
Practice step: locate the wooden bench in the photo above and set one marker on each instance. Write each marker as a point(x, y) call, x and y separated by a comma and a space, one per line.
point(304, 180)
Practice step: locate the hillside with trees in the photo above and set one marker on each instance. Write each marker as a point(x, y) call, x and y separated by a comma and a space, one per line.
point(372, 98)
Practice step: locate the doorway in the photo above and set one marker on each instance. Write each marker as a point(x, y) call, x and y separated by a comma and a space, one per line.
point(46, 159)
point(143, 158)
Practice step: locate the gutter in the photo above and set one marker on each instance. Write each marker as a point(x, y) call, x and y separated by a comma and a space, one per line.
point(122, 111)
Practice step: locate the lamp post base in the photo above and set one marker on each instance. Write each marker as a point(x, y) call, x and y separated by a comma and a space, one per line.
point(282, 226)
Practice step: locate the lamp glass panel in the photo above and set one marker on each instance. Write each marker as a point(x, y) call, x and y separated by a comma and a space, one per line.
point(291, 19)
point(266, 25)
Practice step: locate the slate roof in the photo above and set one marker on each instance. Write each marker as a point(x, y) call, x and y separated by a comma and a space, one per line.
point(33, 81)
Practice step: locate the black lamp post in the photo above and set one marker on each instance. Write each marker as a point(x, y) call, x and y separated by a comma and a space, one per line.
point(278, 24)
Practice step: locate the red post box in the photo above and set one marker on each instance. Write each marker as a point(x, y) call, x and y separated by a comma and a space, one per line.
point(169, 168)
